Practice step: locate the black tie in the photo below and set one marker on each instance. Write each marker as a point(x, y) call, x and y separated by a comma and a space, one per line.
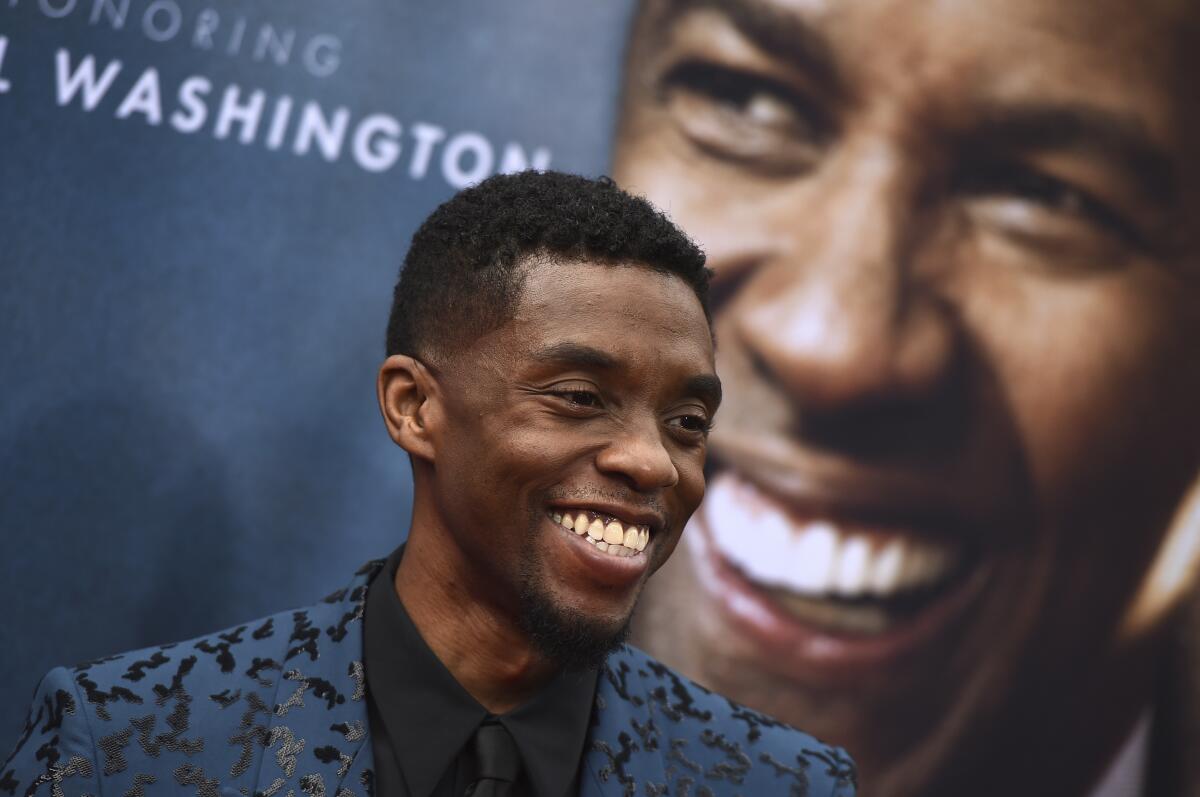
point(497, 762)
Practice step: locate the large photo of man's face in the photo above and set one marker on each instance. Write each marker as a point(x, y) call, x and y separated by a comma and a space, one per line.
point(958, 317)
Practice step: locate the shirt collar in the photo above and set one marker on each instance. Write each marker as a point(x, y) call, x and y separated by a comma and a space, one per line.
point(409, 685)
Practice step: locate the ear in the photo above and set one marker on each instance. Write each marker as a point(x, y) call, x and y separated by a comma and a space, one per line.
point(407, 393)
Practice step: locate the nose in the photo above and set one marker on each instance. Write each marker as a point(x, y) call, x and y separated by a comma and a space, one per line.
point(638, 457)
point(840, 312)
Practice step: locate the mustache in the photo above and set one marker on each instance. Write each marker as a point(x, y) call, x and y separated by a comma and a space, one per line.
point(630, 498)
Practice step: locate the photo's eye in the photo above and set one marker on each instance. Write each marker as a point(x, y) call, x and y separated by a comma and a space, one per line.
point(579, 398)
point(1037, 206)
point(744, 116)
point(691, 423)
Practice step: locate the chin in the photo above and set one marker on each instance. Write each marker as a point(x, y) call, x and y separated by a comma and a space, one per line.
point(566, 632)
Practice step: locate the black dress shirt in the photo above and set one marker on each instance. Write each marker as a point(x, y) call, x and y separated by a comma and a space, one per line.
point(422, 718)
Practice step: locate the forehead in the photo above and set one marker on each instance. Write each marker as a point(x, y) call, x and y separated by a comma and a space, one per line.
point(629, 311)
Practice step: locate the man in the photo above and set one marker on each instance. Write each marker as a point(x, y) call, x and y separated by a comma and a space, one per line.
point(550, 375)
point(957, 294)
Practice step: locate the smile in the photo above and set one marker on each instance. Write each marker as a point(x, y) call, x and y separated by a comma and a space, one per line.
point(829, 574)
point(827, 596)
point(606, 533)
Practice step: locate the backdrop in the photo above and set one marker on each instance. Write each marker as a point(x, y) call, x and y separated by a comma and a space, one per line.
point(203, 212)
point(957, 291)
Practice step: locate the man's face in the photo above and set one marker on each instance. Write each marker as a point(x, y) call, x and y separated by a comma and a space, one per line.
point(957, 303)
point(588, 409)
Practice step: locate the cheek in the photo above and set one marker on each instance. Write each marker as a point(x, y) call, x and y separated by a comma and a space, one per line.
point(1099, 386)
point(706, 200)
point(691, 483)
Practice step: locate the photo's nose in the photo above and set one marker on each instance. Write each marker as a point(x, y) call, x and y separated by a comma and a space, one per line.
point(839, 313)
point(638, 457)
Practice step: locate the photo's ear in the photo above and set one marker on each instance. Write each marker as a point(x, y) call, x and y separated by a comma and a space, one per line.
point(407, 392)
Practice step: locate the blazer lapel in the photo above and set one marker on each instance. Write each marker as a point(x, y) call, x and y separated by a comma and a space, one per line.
point(317, 738)
point(622, 755)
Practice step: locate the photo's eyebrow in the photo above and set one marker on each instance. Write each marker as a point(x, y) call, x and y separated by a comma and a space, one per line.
point(1120, 138)
point(706, 387)
point(781, 33)
point(576, 354)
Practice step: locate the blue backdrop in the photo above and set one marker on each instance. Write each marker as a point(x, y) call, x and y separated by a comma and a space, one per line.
point(204, 207)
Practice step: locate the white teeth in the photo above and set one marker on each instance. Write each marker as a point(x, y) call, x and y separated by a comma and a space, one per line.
point(856, 619)
point(851, 575)
point(612, 550)
point(885, 575)
point(812, 558)
point(818, 558)
point(612, 537)
point(596, 530)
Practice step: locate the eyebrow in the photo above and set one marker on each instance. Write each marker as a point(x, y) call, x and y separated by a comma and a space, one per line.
point(783, 34)
point(577, 354)
point(706, 387)
point(1118, 137)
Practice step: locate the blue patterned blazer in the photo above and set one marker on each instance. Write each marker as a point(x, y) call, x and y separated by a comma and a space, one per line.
point(276, 707)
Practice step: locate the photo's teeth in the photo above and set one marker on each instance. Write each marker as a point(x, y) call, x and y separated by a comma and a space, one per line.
point(645, 538)
point(566, 521)
point(631, 537)
point(557, 517)
point(885, 574)
point(922, 566)
point(764, 538)
point(613, 533)
point(581, 524)
point(813, 558)
point(819, 560)
point(602, 545)
point(857, 619)
point(596, 530)
point(851, 576)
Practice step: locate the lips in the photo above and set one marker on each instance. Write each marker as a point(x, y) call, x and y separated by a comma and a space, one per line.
point(592, 556)
point(824, 591)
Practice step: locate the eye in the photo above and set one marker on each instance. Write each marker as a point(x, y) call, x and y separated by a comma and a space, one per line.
point(693, 424)
point(746, 116)
point(579, 398)
point(1034, 203)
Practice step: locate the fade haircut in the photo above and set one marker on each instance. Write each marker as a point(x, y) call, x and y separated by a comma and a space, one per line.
point(464, 272)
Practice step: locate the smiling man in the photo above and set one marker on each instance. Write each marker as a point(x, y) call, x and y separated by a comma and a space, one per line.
point(551, 376)
point(957, 290)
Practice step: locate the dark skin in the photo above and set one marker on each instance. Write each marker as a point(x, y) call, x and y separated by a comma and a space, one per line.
point(596, 395)
point(958, 290)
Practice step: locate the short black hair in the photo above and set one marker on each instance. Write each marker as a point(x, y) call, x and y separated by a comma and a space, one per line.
point(462, 276)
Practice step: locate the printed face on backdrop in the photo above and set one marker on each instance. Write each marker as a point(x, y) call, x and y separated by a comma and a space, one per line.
point(571, 451)
point(956, 307)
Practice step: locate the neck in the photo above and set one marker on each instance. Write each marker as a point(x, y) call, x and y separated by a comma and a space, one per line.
point(473, 634)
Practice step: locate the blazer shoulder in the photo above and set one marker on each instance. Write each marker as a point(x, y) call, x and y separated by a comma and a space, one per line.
point(215, 670)
point(206, 702)
point(726, 741)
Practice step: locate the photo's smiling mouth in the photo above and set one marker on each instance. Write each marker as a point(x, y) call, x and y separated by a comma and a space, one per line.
point(842, 578)
point(823, 594)
point(606, 533)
